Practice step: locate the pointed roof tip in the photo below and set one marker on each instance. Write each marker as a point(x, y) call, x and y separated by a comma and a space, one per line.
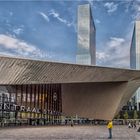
point(85, 3)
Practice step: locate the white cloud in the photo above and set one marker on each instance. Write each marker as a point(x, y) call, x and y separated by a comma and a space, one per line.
point(115, 42)
point(111, 7)
point(18, 47)
point(116, 53)
point(137, 12)
point(135, 7)
point(57, 16)
point(97, 21)
point(44, 16)
point(101, 56)
point(18, 31)
point(11, 13)
point(11, 46)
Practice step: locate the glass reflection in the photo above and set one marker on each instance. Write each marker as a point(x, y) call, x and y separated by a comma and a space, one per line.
point(86, 36)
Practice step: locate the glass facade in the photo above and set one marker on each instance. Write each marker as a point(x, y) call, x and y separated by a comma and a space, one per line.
point(135, 56)
point(30, 104)
point(133, 51)
point(86, 53)
point(137, 26)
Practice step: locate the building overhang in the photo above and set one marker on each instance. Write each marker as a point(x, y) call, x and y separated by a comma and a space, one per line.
point(88, 91)
point(26, 71)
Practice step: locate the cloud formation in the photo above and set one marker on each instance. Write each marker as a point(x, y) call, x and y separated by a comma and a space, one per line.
point(18, 31)
point(97, 21)
point(136, 8)
point(57, 16)
point(111, 7)
point(101, 56)
point(18, 47)
point(115, 42)
point(116, 53)
point(44, 16)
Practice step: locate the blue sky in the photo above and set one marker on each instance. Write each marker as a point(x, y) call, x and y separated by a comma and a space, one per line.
point(47, 30)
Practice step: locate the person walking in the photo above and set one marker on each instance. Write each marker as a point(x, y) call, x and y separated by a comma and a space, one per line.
point(134, 124)
point(129, 125)
point(110, 126)
point(72, 121)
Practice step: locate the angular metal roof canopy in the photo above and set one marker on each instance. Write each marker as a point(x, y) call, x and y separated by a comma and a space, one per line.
point(88, 91)
point(25, 71)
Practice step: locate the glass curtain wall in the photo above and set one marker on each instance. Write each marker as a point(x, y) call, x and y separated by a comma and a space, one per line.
point(86, 53)
point(31, 104)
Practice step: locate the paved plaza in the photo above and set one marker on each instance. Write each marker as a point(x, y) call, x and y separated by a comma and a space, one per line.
point(68, 133)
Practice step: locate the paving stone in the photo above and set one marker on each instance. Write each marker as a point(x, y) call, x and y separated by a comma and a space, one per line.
point(68, 133)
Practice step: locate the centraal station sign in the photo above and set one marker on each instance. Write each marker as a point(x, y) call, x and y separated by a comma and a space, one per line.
point(15, 108)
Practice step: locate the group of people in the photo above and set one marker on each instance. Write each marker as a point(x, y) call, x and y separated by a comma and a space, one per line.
point(132, 124)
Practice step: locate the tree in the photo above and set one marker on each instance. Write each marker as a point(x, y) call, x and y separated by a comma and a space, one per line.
point(125, 115)
point(117, 116)
point(135, 115)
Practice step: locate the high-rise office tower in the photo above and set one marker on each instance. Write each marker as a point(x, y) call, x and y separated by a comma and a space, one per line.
point(86, 51)
point(135, 56)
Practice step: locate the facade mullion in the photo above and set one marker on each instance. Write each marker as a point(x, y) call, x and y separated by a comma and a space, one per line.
point(38, 100)
point(34, 99)
point(41, 101)
point(52, 103)
point(49, 102)
point(30, 100)
point(21, 89)
point(57, 102)
point(36, 105)
point(26, 92)
point(45, 100)
point(9, 99)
